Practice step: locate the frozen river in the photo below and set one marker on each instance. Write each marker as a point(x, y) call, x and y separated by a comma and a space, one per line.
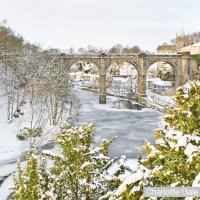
point(132, 127)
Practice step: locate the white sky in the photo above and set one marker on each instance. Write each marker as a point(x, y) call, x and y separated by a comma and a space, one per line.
point(102, 23)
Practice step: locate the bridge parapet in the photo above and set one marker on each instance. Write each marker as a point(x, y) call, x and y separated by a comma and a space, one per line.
point(96, 55)
point(118, 56)
point(162, 55)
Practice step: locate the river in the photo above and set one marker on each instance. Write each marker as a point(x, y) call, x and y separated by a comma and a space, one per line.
point(128, 121)
point(131, 126)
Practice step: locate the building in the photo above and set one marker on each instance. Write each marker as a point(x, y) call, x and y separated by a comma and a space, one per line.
point(121, 85)
point(181, 41)
point(125, 70)
point(159, 86)
point(166, 49)
point(192, 49)
point(152, 72)
point(76, 76)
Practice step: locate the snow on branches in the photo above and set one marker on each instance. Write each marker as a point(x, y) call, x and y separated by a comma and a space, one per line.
point(175, 158)
point(78, 171)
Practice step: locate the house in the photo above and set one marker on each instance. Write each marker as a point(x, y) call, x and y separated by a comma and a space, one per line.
point(76, 76)
point(121, 85)
point(195, 49)
point(192, 49)
point(156, 84)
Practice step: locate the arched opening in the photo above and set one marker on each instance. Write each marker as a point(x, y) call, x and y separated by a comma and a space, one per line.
point(122, 80)
point(161, 81)
point(84, 74)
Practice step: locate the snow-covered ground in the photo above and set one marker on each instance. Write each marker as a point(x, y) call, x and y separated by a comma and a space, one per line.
point(157, 100)
point(131, 127)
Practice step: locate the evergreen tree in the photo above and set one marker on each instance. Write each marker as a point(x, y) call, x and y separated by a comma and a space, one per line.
point(77, 172)
point(27, 184)
point(81, 172)
point(175, 158)
point(32, 183)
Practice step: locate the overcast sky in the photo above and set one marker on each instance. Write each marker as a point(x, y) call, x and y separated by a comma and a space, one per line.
point(102, 23)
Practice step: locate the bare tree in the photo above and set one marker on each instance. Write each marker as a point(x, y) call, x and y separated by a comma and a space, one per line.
point(82, 50)
point(134, 49)
point(118, 48)
point(36, 84)
point(11, 48)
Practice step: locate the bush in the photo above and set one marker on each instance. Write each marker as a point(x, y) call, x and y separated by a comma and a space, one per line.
point(27, 133)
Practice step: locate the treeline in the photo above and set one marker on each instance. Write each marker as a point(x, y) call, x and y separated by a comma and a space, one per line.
point(118, 48)
point(194, 36)
point(35, 86)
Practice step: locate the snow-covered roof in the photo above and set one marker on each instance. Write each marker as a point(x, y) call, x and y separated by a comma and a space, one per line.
point(121, 79)
point(153, 67)
point(79, 72)
point(158, 81)
point(153, 79)
point(195, 49)
point(186, 49)
point(94, 75)
point(163, 83)
point(196, 44)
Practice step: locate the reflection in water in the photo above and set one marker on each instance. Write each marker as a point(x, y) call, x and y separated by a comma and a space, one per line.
point(124, 104)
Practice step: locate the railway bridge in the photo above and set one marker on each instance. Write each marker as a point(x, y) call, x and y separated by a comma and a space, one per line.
point(185, 67)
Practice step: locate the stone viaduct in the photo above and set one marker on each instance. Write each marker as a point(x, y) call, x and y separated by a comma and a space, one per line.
point(184, 65)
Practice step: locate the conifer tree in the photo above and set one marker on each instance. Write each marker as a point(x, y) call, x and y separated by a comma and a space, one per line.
point(175, 158)
point(77, 172)
point(33, 182)
point(81, 172)
point(27, 182)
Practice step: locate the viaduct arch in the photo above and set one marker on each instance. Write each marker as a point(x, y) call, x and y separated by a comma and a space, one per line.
point(184, 65)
